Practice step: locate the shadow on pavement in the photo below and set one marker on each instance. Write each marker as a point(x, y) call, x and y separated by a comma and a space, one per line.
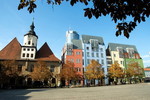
point(18, 94)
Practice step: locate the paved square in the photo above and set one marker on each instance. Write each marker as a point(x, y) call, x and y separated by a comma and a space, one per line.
point(119, 92)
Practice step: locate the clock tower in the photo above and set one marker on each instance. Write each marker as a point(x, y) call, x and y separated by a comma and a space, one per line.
point(29, 47)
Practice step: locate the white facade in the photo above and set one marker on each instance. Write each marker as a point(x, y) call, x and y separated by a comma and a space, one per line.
point(30, 40)
point(28, 52)
point(29, 47)
point(147, 73)
point(98, 55)
point(115, 57)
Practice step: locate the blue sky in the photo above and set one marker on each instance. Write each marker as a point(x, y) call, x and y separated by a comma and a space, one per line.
point(52, 22)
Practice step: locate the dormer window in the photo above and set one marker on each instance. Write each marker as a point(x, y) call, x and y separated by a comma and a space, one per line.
point(120, 50)
point(130, 52)
point(94, 44)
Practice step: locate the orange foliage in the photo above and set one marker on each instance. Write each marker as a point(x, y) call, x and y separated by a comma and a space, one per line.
point(41, 72)
point(10, 68)
point(68, 72)
point(134, 69)
point(115, 71)
point(94, 71)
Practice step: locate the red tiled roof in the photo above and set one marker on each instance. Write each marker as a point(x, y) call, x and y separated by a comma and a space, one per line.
point(11, 50)
point(146, 69)
point(45, 53)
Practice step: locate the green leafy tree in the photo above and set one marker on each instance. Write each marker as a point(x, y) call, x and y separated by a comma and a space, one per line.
point(126, 13)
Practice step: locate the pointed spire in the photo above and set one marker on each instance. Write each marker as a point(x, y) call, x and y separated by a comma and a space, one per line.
point(32, 32)
point(32, 25)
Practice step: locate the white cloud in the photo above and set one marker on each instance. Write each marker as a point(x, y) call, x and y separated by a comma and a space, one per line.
point(146, 61)
point(145, 56)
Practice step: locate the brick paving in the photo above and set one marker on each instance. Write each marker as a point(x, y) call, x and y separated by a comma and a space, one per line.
point(118, 92)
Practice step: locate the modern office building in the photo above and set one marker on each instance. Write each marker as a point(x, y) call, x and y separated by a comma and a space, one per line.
point(72, 51)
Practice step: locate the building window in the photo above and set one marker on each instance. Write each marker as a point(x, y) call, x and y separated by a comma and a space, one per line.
point(71, 60)
point(101, 49)
point(31, 55)
point(97, 54)
point(33, 44)
point(120, 50)
point(98, 60)
point(32, 49)
point(77, 60)
point(28, 49)
point(79, 69)
point(130, 52)
point(29, 42)
point(52, 68)
point(114, 55)
point(102, 55)
point(121, 62)
point(88, 54)
point(77, 53)
point(23, 55)
point(94, 44)
point(19, 68)
point(102, 61)
point(109, 62)
point(83, 54)
point(24, 49)
point(82, 61)
point(87, 48)
point(30, 68)
point(69, 52)
point(27, 55)
point(92, 48)
point(92, 54)
point(88, 61)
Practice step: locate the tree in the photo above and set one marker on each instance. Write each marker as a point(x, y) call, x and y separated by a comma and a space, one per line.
point(68, 73)
point(134, 71)
point(94, 71)
point(119, 10)
point(41, 72)
point(8, 72)
point(115, 72)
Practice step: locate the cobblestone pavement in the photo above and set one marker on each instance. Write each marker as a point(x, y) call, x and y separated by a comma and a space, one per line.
point(118, 92)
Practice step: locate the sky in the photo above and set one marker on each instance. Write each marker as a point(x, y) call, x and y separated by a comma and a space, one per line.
point(52, 22)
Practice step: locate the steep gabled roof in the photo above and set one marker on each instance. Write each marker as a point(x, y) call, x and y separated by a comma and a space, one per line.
point(11, 50)
point(45, 53)
point(86, 39)
point(113, 47)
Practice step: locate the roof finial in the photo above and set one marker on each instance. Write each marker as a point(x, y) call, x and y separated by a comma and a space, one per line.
point(32, 26)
